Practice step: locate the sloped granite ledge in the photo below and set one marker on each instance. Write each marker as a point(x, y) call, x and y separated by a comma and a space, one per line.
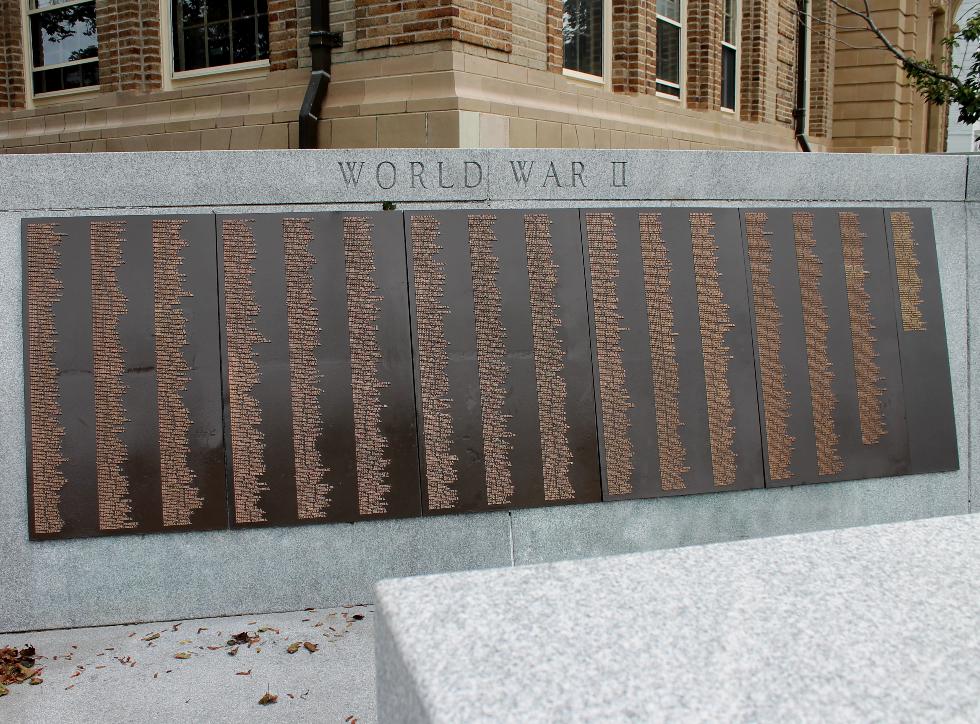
point(880, 623)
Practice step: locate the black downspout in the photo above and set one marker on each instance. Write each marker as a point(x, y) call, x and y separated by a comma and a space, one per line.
point(802, 102)
point(322, 43)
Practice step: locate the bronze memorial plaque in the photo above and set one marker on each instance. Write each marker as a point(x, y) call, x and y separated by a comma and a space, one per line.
point(830, 379)
point(922, 340)
point(320, 402)
point(674, 370)
point(123, 376)
point(198, 371)
point(506, 409)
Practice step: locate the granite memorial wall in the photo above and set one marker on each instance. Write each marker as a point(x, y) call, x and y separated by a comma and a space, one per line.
point(201, 371)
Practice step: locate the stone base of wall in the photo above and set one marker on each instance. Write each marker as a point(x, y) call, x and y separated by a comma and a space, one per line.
point(447, 98)
point(256, 113)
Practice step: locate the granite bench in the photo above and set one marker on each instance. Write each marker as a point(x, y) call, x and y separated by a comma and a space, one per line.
point(876, 623)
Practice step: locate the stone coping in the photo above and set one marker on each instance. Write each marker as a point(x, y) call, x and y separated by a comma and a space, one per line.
point(875, 623)
point(181, 179)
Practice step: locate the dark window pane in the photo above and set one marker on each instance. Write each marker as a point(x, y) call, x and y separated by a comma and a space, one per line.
point(262, 39)
point(243, 40)
point(582, 32)
point(190, 11)
point(242, 8)
point(217, 10)
point(66, 77)
point(90, 73)
point(194, 56)
point(232, 32)
point(219, 44)
point(668, 54)
point(727, 77)
point(64, 35)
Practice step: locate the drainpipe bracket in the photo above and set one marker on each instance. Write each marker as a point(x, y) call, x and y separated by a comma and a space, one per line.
point(326, 39)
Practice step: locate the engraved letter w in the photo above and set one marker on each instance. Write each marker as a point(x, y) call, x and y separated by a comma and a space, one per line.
point(522, 171)
point(352, 172)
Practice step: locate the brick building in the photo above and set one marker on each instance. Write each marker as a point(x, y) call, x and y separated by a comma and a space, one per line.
point(107, 75)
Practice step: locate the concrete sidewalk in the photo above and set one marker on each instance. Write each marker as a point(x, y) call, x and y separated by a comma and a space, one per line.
point(132, 673)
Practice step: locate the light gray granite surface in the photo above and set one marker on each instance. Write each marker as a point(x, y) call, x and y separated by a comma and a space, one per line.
point(345, 176)
point(120, 579)
point(868, 624)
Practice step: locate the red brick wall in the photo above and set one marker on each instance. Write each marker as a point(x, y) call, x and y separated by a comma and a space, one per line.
point(704, 34)
point(753, 47)
point(11, 57)
point(486, 23)
point(634, 51)
point(129, 45)
point(821, 68)
point(786, 61)
point(282, 34)
point(556, 48)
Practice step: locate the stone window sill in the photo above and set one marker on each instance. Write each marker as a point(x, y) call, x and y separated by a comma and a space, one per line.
point(220, 74)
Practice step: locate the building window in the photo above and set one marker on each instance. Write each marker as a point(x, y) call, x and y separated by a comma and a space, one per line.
point(669, 47)
point(729, 56)
point(212, 33)
point(64, 45)
point(582, 36)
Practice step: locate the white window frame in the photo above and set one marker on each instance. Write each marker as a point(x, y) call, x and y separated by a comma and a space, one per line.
point(605, 78)
point(31, 99)
point(171, 79)
point(737, 38)
point(681, 49)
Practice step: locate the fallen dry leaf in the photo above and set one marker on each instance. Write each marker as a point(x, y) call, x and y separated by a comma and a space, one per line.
point(151, 637)
point(16, 666)
point(293, 647)
point(243, 673)
point(310, 646)
point(182, 655)
point(232, 651)
point(268, 698)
